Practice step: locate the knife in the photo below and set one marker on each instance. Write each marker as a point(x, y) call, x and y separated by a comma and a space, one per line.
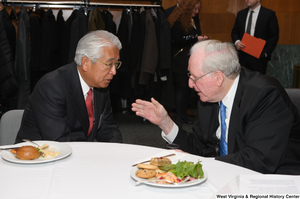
point(9, 148)
point(150, 160)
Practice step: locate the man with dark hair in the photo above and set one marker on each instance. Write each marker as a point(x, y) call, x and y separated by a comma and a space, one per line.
point(259, 22)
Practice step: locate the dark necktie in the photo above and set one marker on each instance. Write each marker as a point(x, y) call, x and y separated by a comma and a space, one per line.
point(249, 23)
point(223, 143)
point(90, 109)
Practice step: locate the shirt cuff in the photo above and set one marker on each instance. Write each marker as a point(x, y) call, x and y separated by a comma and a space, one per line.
point(236, 41)
point(172, 135)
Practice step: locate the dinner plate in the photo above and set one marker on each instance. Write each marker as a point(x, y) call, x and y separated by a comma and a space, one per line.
point(186, 184)
point(65, 150)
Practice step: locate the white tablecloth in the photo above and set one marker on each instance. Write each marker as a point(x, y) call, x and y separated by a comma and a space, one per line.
point(102, 170)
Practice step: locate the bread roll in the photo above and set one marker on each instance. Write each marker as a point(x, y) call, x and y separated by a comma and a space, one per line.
point(146, 166)
point(161, 161)
point(27, 153)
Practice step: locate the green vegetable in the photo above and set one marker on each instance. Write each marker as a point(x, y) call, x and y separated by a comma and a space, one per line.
point(184, 169)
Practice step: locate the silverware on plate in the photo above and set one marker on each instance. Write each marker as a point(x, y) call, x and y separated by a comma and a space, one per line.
point(149, 160)
point(162, 180)
point(8, 148)
point(26, 140)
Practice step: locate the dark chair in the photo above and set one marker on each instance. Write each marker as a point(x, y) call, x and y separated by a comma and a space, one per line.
point(9, 126)
point(294, 94)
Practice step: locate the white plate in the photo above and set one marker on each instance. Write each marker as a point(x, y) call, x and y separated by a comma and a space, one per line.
point(65, 150)
point(186, 184)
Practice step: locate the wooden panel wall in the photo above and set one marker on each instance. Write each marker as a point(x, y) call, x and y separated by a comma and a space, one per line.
point(217, 17)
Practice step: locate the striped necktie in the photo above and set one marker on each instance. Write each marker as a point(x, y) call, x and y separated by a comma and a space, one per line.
point(249, 23)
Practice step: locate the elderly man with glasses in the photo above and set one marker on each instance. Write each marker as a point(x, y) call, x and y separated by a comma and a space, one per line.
point(72, 103)
point(245, 118)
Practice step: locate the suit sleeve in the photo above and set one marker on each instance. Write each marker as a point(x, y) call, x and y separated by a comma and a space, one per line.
point(235, 33)
point(273, 30)
point(202, 141)
point(264, 127)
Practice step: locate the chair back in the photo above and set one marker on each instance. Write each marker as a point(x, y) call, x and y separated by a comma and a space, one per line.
point(294, 94)
point(9, 126)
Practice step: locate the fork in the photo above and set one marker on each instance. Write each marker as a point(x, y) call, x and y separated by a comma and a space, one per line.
point(162, 180)
point(145, 181)
point(26, 140)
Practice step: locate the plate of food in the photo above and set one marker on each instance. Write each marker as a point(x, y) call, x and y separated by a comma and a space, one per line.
point(28, 153)
point(162, 173)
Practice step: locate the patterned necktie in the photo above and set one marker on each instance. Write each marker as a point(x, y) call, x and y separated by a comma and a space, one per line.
point(223, 143)
point(249, 23)
point(90, 109)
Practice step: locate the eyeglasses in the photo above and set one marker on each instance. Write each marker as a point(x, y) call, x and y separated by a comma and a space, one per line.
point(194, 80)
point(117, 64)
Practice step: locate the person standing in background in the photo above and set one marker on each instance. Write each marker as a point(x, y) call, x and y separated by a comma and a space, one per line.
point(263, 24)
point(185, 32)
point(193, 96)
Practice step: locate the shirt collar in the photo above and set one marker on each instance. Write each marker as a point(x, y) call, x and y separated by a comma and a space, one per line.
point(228, 99)
point(256, 10)
point(84, 86)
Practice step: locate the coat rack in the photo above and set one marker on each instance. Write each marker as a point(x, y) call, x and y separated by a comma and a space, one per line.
point(75, 4)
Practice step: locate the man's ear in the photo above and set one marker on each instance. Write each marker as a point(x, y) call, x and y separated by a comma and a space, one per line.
point(220, 77)
point(86, 63)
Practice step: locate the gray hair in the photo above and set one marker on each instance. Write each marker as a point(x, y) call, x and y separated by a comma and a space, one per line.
point(220, 56)
point(91, 45)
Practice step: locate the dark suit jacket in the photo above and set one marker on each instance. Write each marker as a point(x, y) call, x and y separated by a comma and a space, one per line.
point(266, 28)
point(78, 29)
point(170, 10)
point(56, 111)
point(264, 129)
point(23, 59)
point(150, 51)
point(8, 82)
point(49, 47)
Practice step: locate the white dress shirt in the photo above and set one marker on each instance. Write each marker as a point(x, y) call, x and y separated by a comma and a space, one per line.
point(84, 86)
point(253, 23)
point(227, 101)
point(254, 19)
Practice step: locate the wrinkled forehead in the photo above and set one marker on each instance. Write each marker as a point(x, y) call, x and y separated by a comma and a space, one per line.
point(206, 53)
point(196, 59)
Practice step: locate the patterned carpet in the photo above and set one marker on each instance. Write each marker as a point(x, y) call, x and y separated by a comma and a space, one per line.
point(137, 131)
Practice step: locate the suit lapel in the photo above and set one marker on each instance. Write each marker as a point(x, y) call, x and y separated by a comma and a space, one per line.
point(244, 19)
point(258, 21)
point(234, 125)
point(98, 107)
point(76, 97)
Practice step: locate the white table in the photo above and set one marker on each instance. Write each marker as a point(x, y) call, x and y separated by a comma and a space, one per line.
point(102, 170)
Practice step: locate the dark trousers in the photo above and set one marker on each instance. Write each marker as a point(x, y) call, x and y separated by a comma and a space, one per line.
point(181, 96)
point(252, 63)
